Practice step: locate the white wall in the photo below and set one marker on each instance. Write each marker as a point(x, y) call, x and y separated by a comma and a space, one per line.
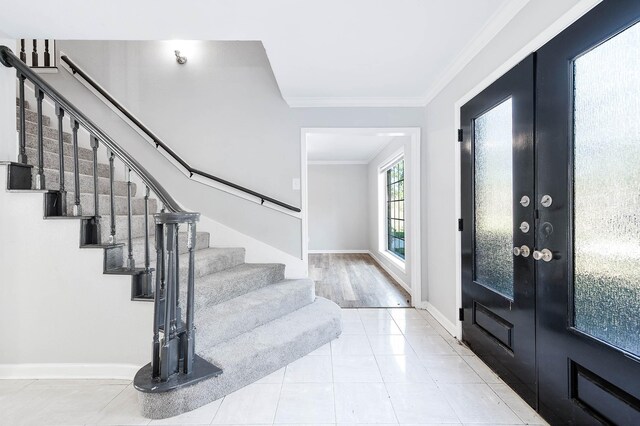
point(440, 179)
point(338, 207)
point(8, 135)
point(376, 215)
point(226, 116)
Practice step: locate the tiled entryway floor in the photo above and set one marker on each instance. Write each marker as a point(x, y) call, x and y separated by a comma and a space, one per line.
point(390, 366)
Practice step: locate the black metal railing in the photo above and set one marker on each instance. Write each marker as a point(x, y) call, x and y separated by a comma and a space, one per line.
point(41, 55)
point(75, 69)
point(174, 362)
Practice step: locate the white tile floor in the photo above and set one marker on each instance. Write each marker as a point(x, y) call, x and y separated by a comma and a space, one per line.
point(395, 366)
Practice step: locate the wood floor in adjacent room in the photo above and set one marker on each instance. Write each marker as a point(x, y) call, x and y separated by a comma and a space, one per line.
point(355, 281)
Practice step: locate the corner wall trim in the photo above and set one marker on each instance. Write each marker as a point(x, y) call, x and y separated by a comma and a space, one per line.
point(444, 322)
point(68, 371)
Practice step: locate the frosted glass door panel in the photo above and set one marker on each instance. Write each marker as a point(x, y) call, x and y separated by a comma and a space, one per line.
point(607, 191)
point(493, 199)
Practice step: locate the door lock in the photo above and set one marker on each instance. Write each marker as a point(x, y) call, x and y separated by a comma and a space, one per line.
point(522, 250)
point(544, 254)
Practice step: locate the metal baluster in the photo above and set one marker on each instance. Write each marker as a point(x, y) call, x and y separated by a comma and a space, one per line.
point(130, 261)
point(40, 184)
point(22, 156)
point(34, 54)
point(47, 56)
point(23, 53)
point(147, 269)
point(96, 196)
point(77, 209)
point(157, 305)
point(63, 192)
point(112, 235)
point(169, 333)
point(190, 344)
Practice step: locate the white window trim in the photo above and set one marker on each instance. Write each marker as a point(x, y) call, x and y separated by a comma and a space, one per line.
point(382, 208)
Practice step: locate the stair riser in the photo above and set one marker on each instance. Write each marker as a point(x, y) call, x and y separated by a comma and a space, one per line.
point(52, 181)
point(211, 261)
point(202, 242)
point(51, 161)
point(27, 105)
point(121, 206)
point(51, 145)
point(137, 226)
point(48, 132)
point(231, 286)
point(265, 305)
point(32, 116)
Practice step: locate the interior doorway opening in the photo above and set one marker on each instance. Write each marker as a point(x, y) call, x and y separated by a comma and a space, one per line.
point(361, 215)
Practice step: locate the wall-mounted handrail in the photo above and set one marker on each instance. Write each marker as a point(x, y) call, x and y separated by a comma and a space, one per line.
point(10, 60)
point(160, 144)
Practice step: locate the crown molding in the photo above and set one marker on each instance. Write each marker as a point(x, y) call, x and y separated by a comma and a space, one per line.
point(356, 102)
point(494, 25)
point(336, 162)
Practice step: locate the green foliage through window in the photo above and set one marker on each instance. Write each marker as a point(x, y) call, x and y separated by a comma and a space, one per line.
point(395, 209)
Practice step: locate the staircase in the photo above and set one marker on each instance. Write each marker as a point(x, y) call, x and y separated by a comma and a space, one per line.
point(249, 320)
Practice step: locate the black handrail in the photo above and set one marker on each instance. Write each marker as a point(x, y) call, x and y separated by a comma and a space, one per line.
point(75, 69)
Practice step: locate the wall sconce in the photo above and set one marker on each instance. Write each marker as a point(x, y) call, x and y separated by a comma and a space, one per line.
point(180, 59)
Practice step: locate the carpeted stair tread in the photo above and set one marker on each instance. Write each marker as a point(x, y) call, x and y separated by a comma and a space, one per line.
point(104, 201)
point(122, 227)
point(52, 181)
point(32, 116)
point(251, 356)
point(264, 305)
point(210, 261)
point(47, 131)
point(202, 242)
point(52, 161)
point(51, 145)
point(233, 282)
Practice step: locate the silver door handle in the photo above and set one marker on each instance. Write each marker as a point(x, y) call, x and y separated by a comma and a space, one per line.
point(544, 254)
point(522, 250)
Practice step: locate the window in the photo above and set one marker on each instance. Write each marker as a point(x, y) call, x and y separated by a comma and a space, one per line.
point(395, 208)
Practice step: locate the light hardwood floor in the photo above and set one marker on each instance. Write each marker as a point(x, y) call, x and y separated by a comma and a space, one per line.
point(355, 281)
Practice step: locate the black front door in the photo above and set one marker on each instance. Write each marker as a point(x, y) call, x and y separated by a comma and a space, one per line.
point(561, 325)
point(498, 293)
point(588, 175)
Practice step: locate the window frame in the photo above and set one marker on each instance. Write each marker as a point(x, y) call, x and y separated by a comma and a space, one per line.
point(387, 206)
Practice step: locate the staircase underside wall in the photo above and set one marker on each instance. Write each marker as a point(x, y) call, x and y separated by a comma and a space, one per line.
point(62, 316)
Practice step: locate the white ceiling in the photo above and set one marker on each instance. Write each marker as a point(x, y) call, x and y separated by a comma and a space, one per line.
point(323, 52)
point(347, 146)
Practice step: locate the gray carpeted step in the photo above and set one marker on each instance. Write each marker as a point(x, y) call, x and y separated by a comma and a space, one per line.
point(51, 161)
point(250, 356)
point(32, 116)
point(233, 282)
point(264, 305)
point(48, 131)
point(210, 261)
point(121, 206)
point(52, 181)
point(27, 105)
point(202, 242)
point(51, 145)
point(122, 227)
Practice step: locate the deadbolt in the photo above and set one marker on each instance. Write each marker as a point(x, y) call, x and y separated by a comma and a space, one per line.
point(546, 200)
point(524, 201)
point(522, 250)
point(544, 254)
point(524, 227)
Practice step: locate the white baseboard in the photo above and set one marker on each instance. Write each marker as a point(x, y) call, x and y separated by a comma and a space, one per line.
point(68, 371)
point(393, 274)
point(338, 251)
point(444, 322)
